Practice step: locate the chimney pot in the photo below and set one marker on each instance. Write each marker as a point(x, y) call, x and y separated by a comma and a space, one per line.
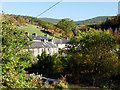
point(67, 38)
point(34, 34)
point(27, 33)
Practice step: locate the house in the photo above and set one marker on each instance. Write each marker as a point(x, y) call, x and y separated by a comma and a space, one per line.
point(38, 47)
point(44, 43)
point(61, 43)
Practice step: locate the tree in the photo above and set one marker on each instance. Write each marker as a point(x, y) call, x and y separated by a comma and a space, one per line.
point(21, 20)
point(12, 20)
point(14, 59)
point(42, 23)
point(92, 55)
point(47, 64)
point(117, 34)
point(66, 24)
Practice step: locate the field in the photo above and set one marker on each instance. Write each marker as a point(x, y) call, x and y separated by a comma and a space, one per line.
point(33, 29)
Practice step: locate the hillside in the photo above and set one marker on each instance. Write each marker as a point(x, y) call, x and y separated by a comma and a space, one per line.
point(32, 29)
point(35, 29)
point(50, 20)
point(34, 25)
point(98, 19)
point(43, 26)
point(113, 23)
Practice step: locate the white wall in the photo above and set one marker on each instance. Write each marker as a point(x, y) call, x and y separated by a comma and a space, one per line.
point(35, 52)
point(38, 51)
point(61, 46)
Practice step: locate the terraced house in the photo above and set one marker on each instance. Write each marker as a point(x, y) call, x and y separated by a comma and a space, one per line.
point(44, 43)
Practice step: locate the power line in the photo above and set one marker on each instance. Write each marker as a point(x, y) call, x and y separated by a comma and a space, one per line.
point(49, 8)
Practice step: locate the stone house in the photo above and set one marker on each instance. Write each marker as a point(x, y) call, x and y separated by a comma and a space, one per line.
point(44, 43)
point(61, 43)
point(38, 47)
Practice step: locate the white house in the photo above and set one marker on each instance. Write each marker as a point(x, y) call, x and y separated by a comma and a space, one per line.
point(38, 47)
point(44, 43)
point(61, 43)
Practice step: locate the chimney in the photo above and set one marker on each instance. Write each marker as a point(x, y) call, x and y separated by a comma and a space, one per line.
point(45, 40)
point(52, 40)
point(34, 34)
point(27, 33)
point(46, 35)
point(67, 38)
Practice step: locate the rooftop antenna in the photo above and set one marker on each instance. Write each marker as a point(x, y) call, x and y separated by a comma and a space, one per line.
point(48, 9)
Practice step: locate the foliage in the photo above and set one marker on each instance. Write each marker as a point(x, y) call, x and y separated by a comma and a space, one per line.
point(50, 20)
point(92, 55)
point(14, 60)
point(62, 83)
point(67, 25)
point(117, 35)
point(42, 23)
point(111, 22)
point(94, 20)
point(50, 28)
point(48, 63)
point(12, 20)
point(21, 20)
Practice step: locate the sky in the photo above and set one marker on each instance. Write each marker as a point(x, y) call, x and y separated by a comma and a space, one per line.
point(73, 10)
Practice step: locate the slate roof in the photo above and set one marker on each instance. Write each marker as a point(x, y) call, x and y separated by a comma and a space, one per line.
point(30, 36)
point(61, 41)
point(57, 41)
point(41, 37)
point(50, 44)
point(42, 45)
point(65, 41)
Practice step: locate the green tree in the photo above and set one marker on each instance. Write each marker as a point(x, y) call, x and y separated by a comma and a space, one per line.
point(42, 23)
point(66, 24)
point(91, 54)
point(14, 59)
point(47, 63)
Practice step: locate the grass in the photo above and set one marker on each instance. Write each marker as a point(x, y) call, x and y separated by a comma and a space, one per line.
point(33, 29)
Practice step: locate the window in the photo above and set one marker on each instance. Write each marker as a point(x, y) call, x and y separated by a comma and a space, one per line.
point(38, 50)
point(33, 51)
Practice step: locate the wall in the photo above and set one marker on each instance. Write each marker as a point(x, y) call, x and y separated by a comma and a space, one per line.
point(38, 51)
point(61, 46)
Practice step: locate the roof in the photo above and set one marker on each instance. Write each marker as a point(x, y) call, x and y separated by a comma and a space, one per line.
point(30, 36)
point(42, 45)
point(41, 37)
point(57, 41)
point(61, 41)
point(65, 41)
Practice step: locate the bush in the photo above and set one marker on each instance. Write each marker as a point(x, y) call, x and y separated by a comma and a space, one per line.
point(92, 57)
